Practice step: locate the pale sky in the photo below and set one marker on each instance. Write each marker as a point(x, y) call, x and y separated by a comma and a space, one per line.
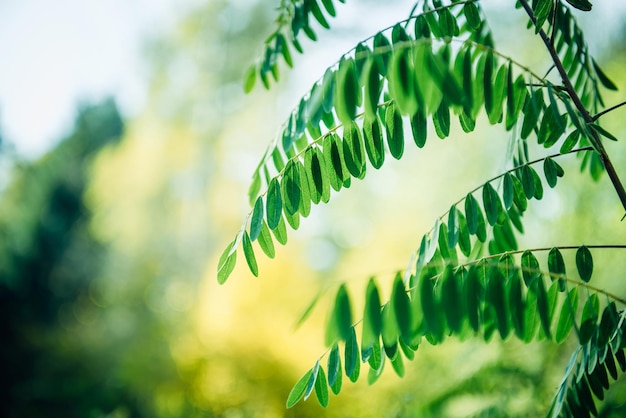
point(55, 53)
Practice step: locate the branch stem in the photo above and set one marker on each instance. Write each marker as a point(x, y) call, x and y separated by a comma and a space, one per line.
point(605, 111)
point(604, 156)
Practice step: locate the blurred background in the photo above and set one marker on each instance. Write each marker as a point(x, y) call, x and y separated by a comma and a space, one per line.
point(126, 147)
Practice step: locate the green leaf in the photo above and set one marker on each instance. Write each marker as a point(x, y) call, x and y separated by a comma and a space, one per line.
point(265, 241)
point(395, 131)
point(351, 356)
point(441, 120)
point(517, 95)
point(290, 188)
point(321, 387)
point(373, 87)
point(453, 227)
point(274, 204)
point(532, 110)
point(249, 253)
point(328, 89)
point(600, 130)
point(347, 95)
point(538, 186)
point(465, 244)
point(551, 170)
point(353, 152)
point(313, 175)
point(249, 79)
point(508, 191)
point(317, 13)
point(488, 82)
point(497, 301)
point(567, 315)
point(372, 319)
point(257, 219)
point(543, 307)
point(430, 305)
point(401, 81)
point(542, 10)
point(499, 93)
point(342, 313)
point(310, 385)
point(516, 304)
point(519, 197)
point(583, 5)
point(589, 319)
point(472, 297)
point(226, 263)
point(334, 369)
point(606, 82)
point(447, 23)
point(382, 50)
point(333, 156)
point(374, 145)
point(402, 308)
point(570, 142)
point(531, 317)
point(398, 365)
point(490, 203)
point(376, 360)
point(584, 263)
point(329, 6)
point(472, 15)
point(531, 271)
point(556, 266)
point(418, 127)
point(298, 389)
point(281, 232)
point(451, 299)
point(472, 211)
point(528, 181)
point(390, 331)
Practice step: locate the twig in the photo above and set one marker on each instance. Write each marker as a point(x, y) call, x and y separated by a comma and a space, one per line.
point(604, 156)
point(605, 111)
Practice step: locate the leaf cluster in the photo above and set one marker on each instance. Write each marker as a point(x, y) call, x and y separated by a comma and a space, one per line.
point(467, 278)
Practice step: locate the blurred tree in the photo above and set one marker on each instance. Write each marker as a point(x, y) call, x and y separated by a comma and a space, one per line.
point(48, 260)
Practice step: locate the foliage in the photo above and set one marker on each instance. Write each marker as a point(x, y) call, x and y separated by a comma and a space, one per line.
point(468, 277)
point(48, 261)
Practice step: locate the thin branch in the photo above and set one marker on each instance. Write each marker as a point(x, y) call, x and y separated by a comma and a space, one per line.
point(604, 156)
point(605, 111)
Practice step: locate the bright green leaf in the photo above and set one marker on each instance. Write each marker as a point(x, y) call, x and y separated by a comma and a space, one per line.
point(310, 385)
point(226, 263)
point(321, 387)
point(374, 144)
point(257, 219)
point(556, 266)
point(401, 307)
point(298, 389)
point(395, 131)
point(249, 253)
point(265, 241)
point(490, 203)
point(274, 204)
point(351, 355)
point(567, 316)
